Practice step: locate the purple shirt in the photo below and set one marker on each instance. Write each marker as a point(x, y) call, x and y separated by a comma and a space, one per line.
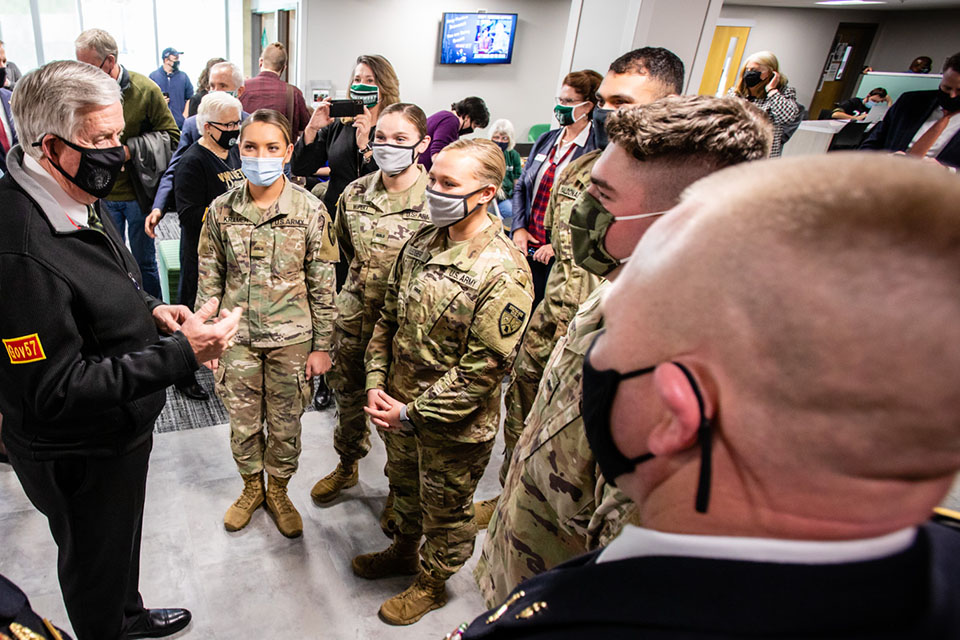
point(443, 127)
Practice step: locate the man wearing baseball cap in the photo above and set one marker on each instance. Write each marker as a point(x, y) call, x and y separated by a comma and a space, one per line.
point(174, 83)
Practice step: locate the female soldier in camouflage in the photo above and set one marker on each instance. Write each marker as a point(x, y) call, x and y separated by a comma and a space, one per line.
point(375, 215)
point(457, 301)
point(268, 247)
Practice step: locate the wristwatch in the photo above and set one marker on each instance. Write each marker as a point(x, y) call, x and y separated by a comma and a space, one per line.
point(404, 419)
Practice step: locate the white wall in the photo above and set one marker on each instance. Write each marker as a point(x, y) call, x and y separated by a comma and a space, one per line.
point(800, 38)
point(407, 33)
point(905, 35)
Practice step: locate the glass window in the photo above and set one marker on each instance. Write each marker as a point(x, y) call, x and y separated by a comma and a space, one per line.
point(130, 22)
point(201, 36)
point(16, 32)
point(59, 28)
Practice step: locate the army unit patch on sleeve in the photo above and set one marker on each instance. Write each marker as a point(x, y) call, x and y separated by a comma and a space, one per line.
point(511, 319)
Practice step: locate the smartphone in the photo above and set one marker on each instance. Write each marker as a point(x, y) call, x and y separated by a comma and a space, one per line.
point(345, 108)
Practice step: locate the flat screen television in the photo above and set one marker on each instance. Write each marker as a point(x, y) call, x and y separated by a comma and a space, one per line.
point(477, 38)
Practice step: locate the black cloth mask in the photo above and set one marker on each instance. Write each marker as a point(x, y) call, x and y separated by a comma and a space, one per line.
point(226, 139)
point(596, 404)
point(466, 131)
point(949, 104)
point(752, 78)
point(98, 170)
point(600, 127)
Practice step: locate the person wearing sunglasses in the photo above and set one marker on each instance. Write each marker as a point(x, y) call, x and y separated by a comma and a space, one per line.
point(780, 416)
point(207, 169)
point(655, 152)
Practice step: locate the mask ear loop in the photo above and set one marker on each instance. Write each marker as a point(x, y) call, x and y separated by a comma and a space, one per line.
point(705, 441)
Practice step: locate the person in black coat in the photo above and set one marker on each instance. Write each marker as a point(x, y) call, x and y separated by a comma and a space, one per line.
point(784, 468)
point(84, 371)
point(916, 112)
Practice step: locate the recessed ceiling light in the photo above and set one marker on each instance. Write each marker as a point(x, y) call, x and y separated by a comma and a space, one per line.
point(850, 2)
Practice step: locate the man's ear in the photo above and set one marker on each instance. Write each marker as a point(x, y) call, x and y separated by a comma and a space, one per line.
point(678, 431)
point(240, 91)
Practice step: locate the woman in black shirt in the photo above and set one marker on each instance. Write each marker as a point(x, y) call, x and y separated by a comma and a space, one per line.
point(210, 167)
point(344, 143)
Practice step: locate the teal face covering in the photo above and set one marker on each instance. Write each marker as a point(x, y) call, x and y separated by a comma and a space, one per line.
point(262, 172)
point(369, 94)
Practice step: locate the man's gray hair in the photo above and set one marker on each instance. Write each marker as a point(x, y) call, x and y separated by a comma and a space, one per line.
point(234, 71)
point(97, 40)
point(50, 99)
point(213, 106)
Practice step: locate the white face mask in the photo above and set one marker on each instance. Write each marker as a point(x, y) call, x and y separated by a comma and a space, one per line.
point(448, 209)
point(393, 159)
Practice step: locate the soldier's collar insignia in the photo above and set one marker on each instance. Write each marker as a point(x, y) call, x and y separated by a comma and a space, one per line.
point(511, 319)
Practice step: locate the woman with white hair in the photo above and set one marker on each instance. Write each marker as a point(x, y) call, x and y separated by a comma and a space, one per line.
point(762, 85)
point(210, 167)
point(504, 135)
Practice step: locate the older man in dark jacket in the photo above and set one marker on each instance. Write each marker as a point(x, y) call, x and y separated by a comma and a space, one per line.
point(84, 370)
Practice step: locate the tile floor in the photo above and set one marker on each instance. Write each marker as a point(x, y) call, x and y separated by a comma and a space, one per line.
point(255, 582)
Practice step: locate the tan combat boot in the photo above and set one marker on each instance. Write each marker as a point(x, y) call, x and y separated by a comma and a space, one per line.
point(423, 596)
point(278, 504)
point(239, 514)
point(388, 519)
point(483, 511)
point(343, 477)
point(399, 559)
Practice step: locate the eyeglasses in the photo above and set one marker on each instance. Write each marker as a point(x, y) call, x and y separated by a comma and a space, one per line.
point(226, 125)
point(569, 102)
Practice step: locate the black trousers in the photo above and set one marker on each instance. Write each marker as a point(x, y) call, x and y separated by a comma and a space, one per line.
point(189, 262)
point(540, 272)
point(95, 510)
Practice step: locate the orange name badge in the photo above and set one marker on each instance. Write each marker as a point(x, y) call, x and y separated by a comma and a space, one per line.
point(24, 349)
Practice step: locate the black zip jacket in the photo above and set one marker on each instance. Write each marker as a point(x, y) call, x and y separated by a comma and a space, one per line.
point(83, 370)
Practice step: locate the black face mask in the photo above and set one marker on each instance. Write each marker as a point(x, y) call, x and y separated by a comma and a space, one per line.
point(949, 104)
point(3, 76)
point(599, 391)
point(226, 139)
point(98, 170)
point(503, 145)
point(752, 78)
point(600, 127)
point(176, 66)
point(466, 130)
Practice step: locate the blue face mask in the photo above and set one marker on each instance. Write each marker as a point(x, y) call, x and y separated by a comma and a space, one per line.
point(262, 172)
point(869, 104)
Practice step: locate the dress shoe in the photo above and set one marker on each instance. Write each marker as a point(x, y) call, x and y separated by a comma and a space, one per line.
point(159, 623)
point(323, 396)
point(194, 391)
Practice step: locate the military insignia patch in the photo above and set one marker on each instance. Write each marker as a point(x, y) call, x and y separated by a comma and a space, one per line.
point(511, 319)
point(331, 233)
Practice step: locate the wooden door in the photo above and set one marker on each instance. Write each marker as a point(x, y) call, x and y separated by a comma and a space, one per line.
point(723, 60)
point(841, 71)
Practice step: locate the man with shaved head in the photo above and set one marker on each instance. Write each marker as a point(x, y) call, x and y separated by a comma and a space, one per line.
point(775, 390)
point(555, 504)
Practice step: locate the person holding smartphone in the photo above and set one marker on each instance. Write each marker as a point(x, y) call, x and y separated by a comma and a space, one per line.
point(345, 143)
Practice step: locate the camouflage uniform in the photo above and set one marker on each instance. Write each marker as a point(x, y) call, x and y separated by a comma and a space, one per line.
point(372, 225)
point(278, 265)
point(451, 323)
point(567, 287)
point(549, 511)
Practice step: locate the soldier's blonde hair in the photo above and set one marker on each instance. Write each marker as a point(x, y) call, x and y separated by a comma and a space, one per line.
point(490, 165)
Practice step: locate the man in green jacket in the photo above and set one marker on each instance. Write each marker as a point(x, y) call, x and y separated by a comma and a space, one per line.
point(145, 113)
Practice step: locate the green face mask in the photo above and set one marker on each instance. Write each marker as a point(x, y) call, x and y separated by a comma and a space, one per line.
point(564, 114)
point(368, 93)
point(589, 223)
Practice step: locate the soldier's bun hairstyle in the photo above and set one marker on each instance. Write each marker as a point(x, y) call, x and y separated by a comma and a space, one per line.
point(490, 165)
point(413, 114)
point(269, 116)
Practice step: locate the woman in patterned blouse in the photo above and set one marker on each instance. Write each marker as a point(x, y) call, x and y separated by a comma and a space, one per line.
point(762, 85)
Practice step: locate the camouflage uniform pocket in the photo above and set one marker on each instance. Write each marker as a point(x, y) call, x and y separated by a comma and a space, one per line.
point(219, 379)
point(289, 251)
